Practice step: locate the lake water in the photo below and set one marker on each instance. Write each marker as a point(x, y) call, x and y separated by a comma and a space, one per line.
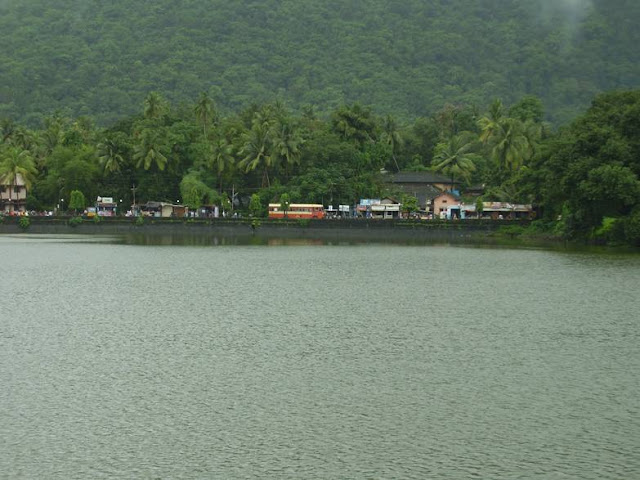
point(365, 361)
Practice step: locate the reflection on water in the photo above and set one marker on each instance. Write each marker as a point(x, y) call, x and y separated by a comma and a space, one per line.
point(204, 239)
point(190, 240)
point(126, 359)
point(245, 240)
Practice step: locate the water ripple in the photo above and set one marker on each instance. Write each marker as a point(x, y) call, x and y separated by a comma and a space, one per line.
point(331, 362)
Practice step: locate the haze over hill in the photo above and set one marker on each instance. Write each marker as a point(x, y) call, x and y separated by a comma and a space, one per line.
point(407, 57)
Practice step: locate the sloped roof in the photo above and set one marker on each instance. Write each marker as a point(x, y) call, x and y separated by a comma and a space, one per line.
point(505, 207)
point(429, 192)
point(451, 194)
point(420, 177)
point(152, 204)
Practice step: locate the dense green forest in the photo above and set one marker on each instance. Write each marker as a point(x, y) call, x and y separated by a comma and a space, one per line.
point(583, 179)
point(407, 58)
point(214, 102)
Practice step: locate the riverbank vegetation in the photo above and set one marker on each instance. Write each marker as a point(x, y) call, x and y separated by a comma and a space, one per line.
point(582, 179)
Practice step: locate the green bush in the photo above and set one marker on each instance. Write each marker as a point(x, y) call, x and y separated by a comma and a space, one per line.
point(605, 229)
point(539, 227)
point(563, 226)
point(75, 221)
point(97, 219)
point(611, 231)
point(512, 230)
point(255, 206)
point(140, 221)
point(77, 200)
point(24, 223)
point(632, 228)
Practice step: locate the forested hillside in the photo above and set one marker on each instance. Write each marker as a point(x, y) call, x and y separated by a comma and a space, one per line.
point(405, 57)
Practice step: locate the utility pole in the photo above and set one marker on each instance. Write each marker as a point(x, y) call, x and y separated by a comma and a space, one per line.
point(134, 207)
point(234, 194)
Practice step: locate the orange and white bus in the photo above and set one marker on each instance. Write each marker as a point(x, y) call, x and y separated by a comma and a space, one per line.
point(297, 210)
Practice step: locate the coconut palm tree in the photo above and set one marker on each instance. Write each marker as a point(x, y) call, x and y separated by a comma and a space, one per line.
point(25, 139)
point(220, 158)
point(16, 164)
point(109, 156)
point(490, 123)
point(154, 106)
point(256, 150)
point(54, 132)
point(7, 129)
point(456, 157)
point(286, 142)
point(204, 112)
point(534, 132)
point(509, 143)
point(221, 155)
point(354, 123)
point(150, 150)
point(391, 136)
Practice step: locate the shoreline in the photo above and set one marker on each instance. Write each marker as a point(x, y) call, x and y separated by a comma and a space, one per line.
point(213, 232)
point(481, 232)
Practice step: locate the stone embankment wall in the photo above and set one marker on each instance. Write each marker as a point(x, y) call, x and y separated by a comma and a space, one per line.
point(290, 228)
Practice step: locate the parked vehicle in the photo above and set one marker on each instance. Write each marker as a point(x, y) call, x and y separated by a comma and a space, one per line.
point(296, 210)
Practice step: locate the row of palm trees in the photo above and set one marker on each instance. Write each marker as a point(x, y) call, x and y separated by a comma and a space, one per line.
point(271, 140)
point(508, 142)
point(262, 142)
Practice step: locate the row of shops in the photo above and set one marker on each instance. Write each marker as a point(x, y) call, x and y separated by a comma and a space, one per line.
point(445, 206)
point(175, 210)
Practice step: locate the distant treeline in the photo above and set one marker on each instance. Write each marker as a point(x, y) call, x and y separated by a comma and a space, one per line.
point(407, 57)
point(582, 178)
